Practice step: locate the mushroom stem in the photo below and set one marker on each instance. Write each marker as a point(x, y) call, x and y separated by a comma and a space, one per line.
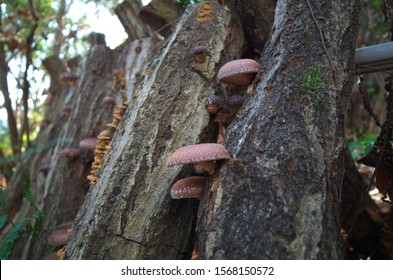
point(221, 133)
point(205, 166)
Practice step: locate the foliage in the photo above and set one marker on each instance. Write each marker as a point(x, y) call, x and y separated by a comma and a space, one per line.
point(30, 225)
point(5, 143)
point(361, 144)
point(312, 83)
point(373, 27)
point(57, 33)
point(17, 20)
point(185, 3)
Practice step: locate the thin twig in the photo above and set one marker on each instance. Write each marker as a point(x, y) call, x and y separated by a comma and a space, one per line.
point(366, 101)
point(323, 40)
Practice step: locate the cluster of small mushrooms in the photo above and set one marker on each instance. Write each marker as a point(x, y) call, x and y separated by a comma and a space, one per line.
point(104, 138)
point(99, 145)
point(238, 72)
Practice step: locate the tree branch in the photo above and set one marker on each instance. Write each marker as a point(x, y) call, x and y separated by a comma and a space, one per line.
point(26, 84)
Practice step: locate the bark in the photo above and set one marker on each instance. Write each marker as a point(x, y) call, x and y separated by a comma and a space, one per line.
point(59, 186)
point(26, 84)
point(49, 131)
point(127, 13)
point(59, 29)
point(353, 194)
point(66, 184)
point(129, 214)
point(388, 11)
point(7, 101)
point(161, 15)
point(36, 162)
point(6, 94)
point(278, 196)
point(256, 17)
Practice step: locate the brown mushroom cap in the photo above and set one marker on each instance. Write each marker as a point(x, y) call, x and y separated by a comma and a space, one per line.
point(238, 72)
point(190, 187)
point(109, 100)
point(214, 103)
point(199, 50)
point(69, 153)
point(67, 110)
point(197, 153)
point(88, 143)
point(59, 237)
point(235, 101)
point(69, 77)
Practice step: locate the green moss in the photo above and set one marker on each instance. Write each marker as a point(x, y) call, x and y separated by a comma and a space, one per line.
point(312, 82)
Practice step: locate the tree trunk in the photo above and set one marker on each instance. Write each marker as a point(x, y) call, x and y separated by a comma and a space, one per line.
point(278, 196)
point(129, 214)
point(127, 13)
point(388, 11)
point(58, 185)
point(7, 101)
point(66, 183)
point(256, 17)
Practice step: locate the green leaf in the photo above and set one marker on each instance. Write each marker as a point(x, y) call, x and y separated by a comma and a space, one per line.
point(11, 239)
point(2, 199)
point(28, 195)
point(3, 221)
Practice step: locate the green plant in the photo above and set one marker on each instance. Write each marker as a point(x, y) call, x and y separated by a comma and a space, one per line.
point(360, 145)
point(29, 225)
point(312, 83)
point(185, 3)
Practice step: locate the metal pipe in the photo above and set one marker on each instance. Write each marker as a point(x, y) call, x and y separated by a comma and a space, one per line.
point(375, 58)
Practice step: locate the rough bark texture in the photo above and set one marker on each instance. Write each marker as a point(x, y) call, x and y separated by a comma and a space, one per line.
point(66, 183)
point(278, 196)
point(256, 17)
point(388, 11)
point(353, 194)
point(7, 101)
point(59, 186)
point(36, 162)
point(129, 214)
point(127, 13)
point(161, 15)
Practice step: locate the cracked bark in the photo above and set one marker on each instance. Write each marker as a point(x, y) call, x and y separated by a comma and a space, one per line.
point(278, 196)
point(63, 189)
point(132, 198)
point(388, 11)
point(256, 17)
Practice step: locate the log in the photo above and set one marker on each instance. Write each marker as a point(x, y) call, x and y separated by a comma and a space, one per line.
point(66, 183)
point(257, 20)
point(129, 214)
point(127, 12)
point(161, 15)
point(278, 196)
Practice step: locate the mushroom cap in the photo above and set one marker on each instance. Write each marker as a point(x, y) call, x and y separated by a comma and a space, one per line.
point(88, 143)
point(199, 50)
point(238, 72)
point(69, 153)
point(109, 100)
point(236, 101)
point(197, 153)
point(68, 76)
point(214, 103)
point(67, 110)
point(59, 237)
point(190, 187)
